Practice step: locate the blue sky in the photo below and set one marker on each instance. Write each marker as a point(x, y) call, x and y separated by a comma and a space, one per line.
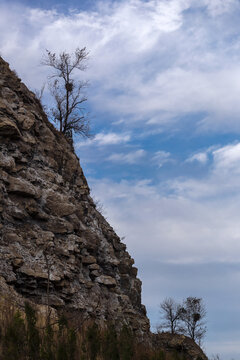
point(165, 107)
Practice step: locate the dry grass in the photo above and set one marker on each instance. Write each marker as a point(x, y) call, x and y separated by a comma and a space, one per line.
point(31, 333)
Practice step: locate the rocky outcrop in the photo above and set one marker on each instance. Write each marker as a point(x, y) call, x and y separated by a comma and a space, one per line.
point(182, 345)
point(51, 235)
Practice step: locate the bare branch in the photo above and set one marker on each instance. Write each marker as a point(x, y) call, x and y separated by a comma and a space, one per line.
point(171, 314)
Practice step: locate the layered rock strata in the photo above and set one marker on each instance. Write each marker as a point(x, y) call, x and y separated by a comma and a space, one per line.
point(55, 247)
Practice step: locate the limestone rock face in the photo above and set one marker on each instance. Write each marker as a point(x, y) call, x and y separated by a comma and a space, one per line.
point(49, 226)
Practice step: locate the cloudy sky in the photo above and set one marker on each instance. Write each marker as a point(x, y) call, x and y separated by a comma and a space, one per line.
point(164, 99)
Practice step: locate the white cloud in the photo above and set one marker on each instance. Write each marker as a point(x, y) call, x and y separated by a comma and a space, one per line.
point(111, 138)
point(201, 157)
point(190, 220)
point(129, 158)
point(134, 25)
point(161, 157)
point(103, 139)
point(219, 7)
point(148, 59)
point(227, 158)
point(181, 230)
point(222, 180)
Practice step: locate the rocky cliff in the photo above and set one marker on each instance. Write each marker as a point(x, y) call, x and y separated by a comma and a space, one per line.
point(55, 247)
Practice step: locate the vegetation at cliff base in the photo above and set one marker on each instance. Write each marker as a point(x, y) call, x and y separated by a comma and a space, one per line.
point(25, 335)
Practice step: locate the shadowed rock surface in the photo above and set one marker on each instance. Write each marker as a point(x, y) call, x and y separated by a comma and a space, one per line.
point(182, 345)
point(50, 225)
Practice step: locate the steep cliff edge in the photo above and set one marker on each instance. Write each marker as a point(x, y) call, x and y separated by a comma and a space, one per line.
point(49, 226)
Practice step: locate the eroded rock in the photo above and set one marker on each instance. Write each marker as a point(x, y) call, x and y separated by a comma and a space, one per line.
point(21, 187)
point(106, 280)
point(8, 128)
point(51, 232)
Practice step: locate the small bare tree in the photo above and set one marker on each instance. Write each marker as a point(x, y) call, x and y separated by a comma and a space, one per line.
point(67, 93)
point(193, 317)
point(171, 314)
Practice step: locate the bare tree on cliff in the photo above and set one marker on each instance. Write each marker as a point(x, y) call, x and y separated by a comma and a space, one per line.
point(171, 315)
point(193, 315)
point(68, 94)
